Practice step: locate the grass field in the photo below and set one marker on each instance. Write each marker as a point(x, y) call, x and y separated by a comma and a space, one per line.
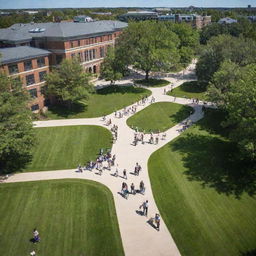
point(159, 116)
point(202, 192)
point(67, 146)
point(73, 217)
point(151, 82)
point(103, 102)
point(188, 90)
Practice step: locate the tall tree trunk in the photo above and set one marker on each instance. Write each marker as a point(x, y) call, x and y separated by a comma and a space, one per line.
point(147, 75)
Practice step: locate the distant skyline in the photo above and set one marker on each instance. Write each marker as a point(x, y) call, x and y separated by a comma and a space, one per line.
point(22, 4)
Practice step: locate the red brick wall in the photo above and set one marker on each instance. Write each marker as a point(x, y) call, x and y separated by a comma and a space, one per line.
point(22, 74)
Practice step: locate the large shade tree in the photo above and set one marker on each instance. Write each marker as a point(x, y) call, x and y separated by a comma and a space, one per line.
point(240, 50)
point(16, 130)
point(68, 83)
point(233, 88)
point(148, 46)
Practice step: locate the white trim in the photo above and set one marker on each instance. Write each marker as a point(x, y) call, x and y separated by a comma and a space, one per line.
point(31, 70)
point(28, 86)
point(81, 47)
point(91, 61)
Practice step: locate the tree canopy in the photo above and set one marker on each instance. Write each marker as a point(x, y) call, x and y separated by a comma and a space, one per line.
point(16, 130)
point(110, 69)
point(239, 50)
point(234, 90)
point(68, 83)
point(149, 46)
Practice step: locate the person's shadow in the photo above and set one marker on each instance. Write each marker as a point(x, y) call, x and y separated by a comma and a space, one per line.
point(139, 212)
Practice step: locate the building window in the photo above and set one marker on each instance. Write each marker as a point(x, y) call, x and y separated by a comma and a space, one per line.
point(34, 107)
point(27, 65)
point(58, 59)
point(33, 93)
point(94, 54)
point(102, 52)
point(41, 62)
point(13, 69)
point(42, 76)
point(30, 79)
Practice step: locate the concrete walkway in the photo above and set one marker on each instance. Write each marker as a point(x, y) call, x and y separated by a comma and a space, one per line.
point(138, 237)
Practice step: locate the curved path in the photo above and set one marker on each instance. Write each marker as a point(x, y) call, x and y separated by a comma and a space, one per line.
point(138, 237)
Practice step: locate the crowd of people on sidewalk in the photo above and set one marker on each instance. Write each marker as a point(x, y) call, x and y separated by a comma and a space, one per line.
point(151, 138)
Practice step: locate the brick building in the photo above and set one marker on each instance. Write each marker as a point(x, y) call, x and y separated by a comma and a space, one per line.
point(30, 65)
point(87, 41)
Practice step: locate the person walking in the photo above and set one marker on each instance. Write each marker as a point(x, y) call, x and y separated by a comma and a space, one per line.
point(124, 174)
point(157, 221)
point(145, 208)
point(133, 189)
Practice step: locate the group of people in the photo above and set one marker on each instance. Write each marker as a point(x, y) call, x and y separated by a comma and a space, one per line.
point(114, 130)
point(153, 138)
point(98, 164)
point(125, 190)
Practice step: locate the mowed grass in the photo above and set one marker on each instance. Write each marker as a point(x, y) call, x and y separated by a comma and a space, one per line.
point(188, 90)
point(103, 102)
point(151, 82)
point(202, 192)
point(73, 217)
point(159, 116)
point(67, 146)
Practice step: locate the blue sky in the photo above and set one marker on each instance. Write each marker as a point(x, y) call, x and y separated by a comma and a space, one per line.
point(5, 4)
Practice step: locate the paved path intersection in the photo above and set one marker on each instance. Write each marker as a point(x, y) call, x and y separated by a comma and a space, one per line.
point(138, 237)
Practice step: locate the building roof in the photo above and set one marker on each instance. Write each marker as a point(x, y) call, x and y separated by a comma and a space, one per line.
point(14, 54)
point(63, 30)
point(227, 20)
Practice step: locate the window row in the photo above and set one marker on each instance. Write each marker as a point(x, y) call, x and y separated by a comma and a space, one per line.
point(13, 68)
point(92, 40)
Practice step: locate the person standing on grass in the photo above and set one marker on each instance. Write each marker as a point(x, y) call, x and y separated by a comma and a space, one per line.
point(36, 235)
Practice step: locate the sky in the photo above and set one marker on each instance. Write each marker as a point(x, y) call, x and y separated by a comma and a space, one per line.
point(19, 4)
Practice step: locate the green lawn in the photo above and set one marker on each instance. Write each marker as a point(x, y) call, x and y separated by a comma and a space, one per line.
point(73, 217)
point(159, 116)
point(67, 146)
point(202, 192)
point(151, 82)
point(188, 90)
point(103, 102)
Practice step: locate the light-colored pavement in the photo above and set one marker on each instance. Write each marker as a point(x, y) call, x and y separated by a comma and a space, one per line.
point(138, 237)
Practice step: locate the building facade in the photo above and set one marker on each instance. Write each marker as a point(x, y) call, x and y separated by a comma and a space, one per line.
point(29, 65)
point(29, 51)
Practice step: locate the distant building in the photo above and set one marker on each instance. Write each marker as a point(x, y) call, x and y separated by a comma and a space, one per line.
point(82, 18)
point(102, 13)
point(5, 13)
point(87, 41)
point(196, 21)
point(227, 20)
point(252, 18)
point(30, 12)
point(138, 15)
point(163, 9)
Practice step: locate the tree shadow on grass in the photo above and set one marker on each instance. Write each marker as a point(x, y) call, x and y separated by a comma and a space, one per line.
point(65, 112)
point(183, 113)
point(213, 161)
point(191, 87)
point(120, 89)
point(249, 253)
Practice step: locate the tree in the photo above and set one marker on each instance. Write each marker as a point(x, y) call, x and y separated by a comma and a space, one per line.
point(149, 45)
point(110, 68)
point(16, 130)
point(241, 51)
point(68, 83)
point(234, 90)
